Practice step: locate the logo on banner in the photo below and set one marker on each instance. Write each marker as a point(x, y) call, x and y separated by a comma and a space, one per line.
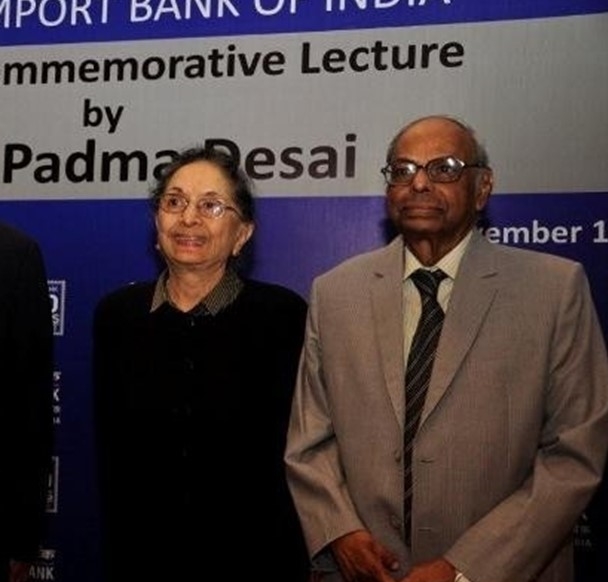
point(57, 295)
point(52, 493)
point(43, 568)
point(57, 397)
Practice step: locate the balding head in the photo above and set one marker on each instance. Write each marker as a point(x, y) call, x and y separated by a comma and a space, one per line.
point(475, 149)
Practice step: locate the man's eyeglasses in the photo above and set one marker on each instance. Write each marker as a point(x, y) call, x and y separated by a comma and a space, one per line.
point(441, 170)
point(207, 207)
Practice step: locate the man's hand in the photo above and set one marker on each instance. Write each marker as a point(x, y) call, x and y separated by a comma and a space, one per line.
point(435, 571)
point(362, 559)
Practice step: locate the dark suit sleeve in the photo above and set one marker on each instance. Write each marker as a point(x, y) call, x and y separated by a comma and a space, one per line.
point(26, 339)
point(108, 354)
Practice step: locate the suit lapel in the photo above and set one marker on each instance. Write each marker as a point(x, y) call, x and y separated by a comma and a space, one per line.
point(387, 299)
point(473, 293)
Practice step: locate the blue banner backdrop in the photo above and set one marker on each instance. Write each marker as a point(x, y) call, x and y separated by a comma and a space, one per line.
point(96, 246)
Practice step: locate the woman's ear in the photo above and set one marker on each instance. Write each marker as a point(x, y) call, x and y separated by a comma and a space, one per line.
point(245, 233)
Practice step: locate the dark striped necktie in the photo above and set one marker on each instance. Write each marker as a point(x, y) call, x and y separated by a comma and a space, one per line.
point(418, 372)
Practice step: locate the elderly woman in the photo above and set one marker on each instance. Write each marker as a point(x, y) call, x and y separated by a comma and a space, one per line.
point(193, 380)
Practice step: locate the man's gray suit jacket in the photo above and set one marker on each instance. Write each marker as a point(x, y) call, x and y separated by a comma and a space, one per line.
point(513, 435)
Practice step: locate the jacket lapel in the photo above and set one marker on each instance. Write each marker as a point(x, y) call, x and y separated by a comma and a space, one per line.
point(474, 291)
point(387, 309)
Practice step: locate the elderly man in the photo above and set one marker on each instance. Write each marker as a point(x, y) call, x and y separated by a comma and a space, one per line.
point(450, 420)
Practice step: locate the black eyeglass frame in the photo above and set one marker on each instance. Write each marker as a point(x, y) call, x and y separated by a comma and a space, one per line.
point(455, 163)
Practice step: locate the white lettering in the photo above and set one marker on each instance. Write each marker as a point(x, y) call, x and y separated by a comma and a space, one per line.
point(536, 234)
point(342, 5)
point(51, 13)
point(144, 10)
point(278, 6)
point(167, 7)
point(61, 11)
point(24, 8)
point(136, 10)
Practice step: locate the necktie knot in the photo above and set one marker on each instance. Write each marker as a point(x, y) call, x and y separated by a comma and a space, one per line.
point(427, 282)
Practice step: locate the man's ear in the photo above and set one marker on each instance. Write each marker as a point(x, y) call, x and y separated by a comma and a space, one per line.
point(485, 184)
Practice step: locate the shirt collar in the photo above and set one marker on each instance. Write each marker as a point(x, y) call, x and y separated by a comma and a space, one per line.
point(222, 295)
point(448, 264)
